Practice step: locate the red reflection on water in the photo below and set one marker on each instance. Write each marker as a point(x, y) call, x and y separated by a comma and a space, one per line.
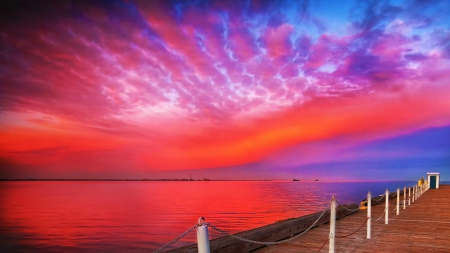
point(78, 216)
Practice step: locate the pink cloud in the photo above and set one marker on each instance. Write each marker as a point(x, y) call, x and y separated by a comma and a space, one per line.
point(241, 44)
point(289, 71)
point(277, 40)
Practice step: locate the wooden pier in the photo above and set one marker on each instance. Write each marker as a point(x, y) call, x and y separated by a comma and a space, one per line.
point(424, 226)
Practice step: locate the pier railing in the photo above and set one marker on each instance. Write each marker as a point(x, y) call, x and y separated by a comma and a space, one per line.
point(292, 229)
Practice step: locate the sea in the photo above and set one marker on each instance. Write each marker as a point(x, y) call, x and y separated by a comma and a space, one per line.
point(142, 216)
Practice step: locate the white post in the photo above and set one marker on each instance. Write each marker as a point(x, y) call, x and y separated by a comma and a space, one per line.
point(413, 193)
point(398, 201)
point(386, 217)
point(332, 225)
point(409, 195)
point(202, 236)
point(404, 197)
point(369, 213)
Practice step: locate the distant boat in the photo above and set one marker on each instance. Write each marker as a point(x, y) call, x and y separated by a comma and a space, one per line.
point(296, 179)
point(317, 179)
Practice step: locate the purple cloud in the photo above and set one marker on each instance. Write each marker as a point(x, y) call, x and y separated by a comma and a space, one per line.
point(209, 60)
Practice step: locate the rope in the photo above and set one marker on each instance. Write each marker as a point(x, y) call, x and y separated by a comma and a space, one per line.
point(394, 209)
point(322, 245)
point(355, 231)
point(381, 197)
point(269, 243)
point(351, 210)
point(381, 215)
point(175, 240)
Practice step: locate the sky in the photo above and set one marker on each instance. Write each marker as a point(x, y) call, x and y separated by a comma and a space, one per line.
point(333, 90)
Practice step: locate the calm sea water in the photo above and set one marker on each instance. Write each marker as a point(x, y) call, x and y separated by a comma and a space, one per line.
point(143, 216)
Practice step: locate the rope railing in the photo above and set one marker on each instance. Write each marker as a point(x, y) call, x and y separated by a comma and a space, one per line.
point(380, 198)
point(175, 240)
point(242, 238)
point(381, 215)
point(325, 242)
point(270, 243)
point(343, 206)
point(202, 225)
point(344, 236)
point(352, 233)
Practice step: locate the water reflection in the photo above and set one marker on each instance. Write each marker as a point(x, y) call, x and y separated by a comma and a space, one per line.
point(128, 216)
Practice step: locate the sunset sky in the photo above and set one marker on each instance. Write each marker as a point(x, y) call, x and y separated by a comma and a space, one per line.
point(334, 90)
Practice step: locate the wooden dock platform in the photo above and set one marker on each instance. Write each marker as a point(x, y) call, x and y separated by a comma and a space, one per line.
point(424, 226)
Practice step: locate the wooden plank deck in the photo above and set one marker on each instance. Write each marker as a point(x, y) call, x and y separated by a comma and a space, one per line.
point(424, 226)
